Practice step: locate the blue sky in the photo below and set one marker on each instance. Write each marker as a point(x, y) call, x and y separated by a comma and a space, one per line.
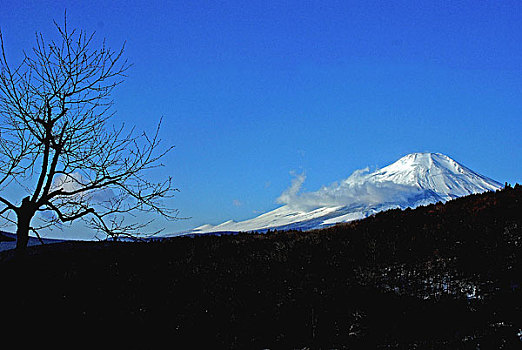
point(253, 90)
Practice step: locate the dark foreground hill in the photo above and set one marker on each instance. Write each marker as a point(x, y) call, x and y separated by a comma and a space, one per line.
point(437, 277)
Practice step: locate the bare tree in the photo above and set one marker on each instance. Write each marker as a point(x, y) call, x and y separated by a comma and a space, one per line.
point(57, 146)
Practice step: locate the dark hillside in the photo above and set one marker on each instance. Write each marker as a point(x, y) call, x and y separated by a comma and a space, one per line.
point(5, 237)
point(444, 276)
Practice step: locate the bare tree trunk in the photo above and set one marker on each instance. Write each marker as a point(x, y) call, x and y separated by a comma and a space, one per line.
point(22, 235)
point(25, 215)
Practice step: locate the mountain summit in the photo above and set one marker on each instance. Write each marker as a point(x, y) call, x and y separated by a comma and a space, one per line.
point(434, 172)
point(415, 179)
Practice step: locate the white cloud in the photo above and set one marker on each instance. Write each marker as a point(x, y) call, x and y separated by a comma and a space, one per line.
point(356, 189)
point(68, 182)
point(237, 203)
point(75, 181)
point(292, 193)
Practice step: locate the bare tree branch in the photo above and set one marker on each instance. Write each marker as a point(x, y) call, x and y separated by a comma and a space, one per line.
point(56, 143)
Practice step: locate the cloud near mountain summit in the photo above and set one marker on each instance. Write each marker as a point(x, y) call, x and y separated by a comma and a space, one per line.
point(354, 190)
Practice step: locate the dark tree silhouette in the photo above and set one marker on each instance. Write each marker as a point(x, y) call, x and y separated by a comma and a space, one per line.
point(57, 146)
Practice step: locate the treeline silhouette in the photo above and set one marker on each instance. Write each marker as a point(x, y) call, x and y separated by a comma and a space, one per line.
point(442, 276)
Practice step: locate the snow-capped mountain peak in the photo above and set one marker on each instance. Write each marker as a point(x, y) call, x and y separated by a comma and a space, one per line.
point(413, 180)
point(436, 172)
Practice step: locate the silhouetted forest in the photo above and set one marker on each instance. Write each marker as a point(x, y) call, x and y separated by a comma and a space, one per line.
point(443, 276)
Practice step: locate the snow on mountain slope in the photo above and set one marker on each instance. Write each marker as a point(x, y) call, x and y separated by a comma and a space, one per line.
point(436, 172)
point(415, 179)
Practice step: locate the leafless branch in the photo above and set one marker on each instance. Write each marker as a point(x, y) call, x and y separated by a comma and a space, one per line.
point(57, 145)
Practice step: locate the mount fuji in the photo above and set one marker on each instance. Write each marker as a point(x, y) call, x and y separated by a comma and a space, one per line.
point(415, 179)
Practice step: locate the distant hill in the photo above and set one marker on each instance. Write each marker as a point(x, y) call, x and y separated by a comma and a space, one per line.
point(8, 241)
point(6, 237)
point(442, 276)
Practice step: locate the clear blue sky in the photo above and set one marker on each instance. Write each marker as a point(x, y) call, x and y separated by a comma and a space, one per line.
point(251, 90)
